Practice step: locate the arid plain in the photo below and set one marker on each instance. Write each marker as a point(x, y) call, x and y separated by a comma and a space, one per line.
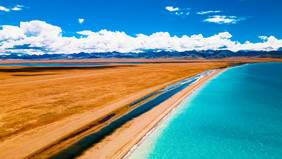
point(41, 105)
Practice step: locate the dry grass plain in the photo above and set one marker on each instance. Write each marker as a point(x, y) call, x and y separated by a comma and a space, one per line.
point(34, 96)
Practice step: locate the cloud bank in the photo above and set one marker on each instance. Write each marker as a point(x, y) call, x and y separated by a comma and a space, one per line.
point(38, 37)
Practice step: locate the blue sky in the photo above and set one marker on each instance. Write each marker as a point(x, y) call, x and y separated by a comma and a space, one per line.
point(245, 20)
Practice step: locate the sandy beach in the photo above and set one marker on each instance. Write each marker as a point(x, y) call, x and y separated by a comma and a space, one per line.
point(121, 141)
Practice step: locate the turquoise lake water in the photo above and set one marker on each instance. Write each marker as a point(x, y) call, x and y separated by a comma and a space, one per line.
point(237, 114)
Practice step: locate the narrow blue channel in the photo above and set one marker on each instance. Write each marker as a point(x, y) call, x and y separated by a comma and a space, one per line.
point(236, 115)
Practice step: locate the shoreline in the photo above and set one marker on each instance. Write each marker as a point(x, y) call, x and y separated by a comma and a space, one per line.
point(146, 148)
point(118, 144)
point(151, 127)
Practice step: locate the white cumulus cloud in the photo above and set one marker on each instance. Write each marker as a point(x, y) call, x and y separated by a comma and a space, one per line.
point(171, 8)
point(16, 8)
point(80, 20)
point(39, 37)
point(263, 37)
point(222, 19)
point(2, 8)
point(178, 11)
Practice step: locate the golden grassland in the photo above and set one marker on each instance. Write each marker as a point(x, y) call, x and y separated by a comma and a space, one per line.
point(35, 96)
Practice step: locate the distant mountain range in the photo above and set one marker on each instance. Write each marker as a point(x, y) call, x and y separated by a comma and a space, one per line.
point(208, 54)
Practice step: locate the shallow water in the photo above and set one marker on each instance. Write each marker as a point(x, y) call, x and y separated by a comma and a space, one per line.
point(237, 114)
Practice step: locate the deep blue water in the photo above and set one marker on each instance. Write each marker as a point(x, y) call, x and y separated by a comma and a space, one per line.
point(65, 64)
point(237, 114)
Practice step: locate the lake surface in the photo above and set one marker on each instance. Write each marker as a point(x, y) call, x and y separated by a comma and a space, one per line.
point(237, 114)
point(65, 64)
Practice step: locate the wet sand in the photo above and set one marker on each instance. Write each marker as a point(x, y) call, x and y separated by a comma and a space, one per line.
point(121, 141)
